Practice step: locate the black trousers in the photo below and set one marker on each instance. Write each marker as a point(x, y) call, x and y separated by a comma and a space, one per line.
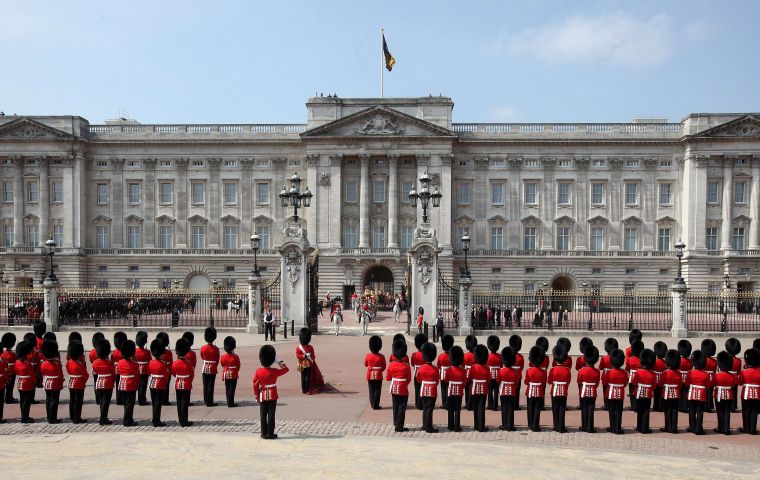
point(517, 397)
point(454, 406)
point(417, 398)
point(25, 398)
point(444, 394)
point(229, 390)
point(478, 403)
point(156, 401)
point(142, 390)
point(119, 393)
point(657, 399)
point(696, 415)
point(710, 401)
point(534, 413)
point(493, 395)
point(588, 407)
point(559, 407)
point(508, 405)
point(9, 389)
point(269, 332)
point(97, 392)
point(375, 387)
point(644, 405)
point(749, 415)
point(615, 412)
point(52, 399)
point(683, 402)
point(183, 406)
point(632, 397)
point(467, 404)
point(306, 380)
point(399, 411)
point(428, 405)
point(735, 401)
point(105, 403)
point(605, 400)
point(267, 411)
point(2, 404)
point(166, 393)
point(209, 379)
point(76, 399)
point(670, 407)
point(723, 410)
point(129, 407)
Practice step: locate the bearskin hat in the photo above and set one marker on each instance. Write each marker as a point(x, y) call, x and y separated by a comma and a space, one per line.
point(481, 354)
point(610, 344)
point(536, 355)
point(23, 349)
point(399, 337)
point(698, 359)
point(508, 357)
point(756, 344)
point(375, 344)
point(190, 337)
point(39, 328)
point(8, 340)
point(157, 348)
point(399, 349)
point(182, 347)
point(164, 337)
point(647, 358)
point(559, 353)
point(493, 343)
point(428, 352)
point(304, 336)
point(31, 338)
point(585, 342)
point(684, 348)
point(447, 341)
point(118, 339)
point(419, 340)
point(49, 349)
point(456, 355)
point(50, 336)
point(209, 335)
point(543, 343)
point(75, 337)
point(591, 355)
point(76, 350)
point(97, 336)
point(636, 347)
point(733, 346)
point(229, 344)
point(708, 347)
point(752, 357)
point(634, 334)
point(515, 343)
point(725, 361)
point(128, 349)
point(673, 359)
point(660, 348)
point(103, 348)
point(267, 355)
point(617, 358)
point(141, 338)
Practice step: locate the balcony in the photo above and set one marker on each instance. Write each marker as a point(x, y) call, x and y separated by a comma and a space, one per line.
point(570, 130)
point(566, 253)
point(215, 130)
point(176, 251)
point(374, 252)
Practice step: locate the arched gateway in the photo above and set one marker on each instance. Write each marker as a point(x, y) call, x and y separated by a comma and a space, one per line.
point(560, 285)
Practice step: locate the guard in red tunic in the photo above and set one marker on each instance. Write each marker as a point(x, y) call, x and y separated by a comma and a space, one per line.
point(375, 364)
point(399, 337)
point(168, 359)
point(3, 381)
point(643, 384)
point(191, 355)
point(447, 341)
point(660, 349)
point(515, 343)
point(633, 335)
point(104, 368)
point(399, 374)
point(509, 380)
point(684, 348)
point(129, 380)
point(230, 370)
point(184, 373)
point(615, 379)
point(93, 355)
point(559, 379)
point(142, 358)
point(305, 356)
point(52, 378)
point(709, 348)
point(419, 340)
point(265, 389)
point(479, 375)
point(494, 364)
point(749, 378)
point(159, 375)
point(697, 383)
point(209, 366)
point(39, 328)
point(725, 381)
point(670, 389)
point(580, 362)
point(34, 360)
point(25, 379)
point(588, 384)
point(455, 379)
point(734, 347)
point(610, 344)
point(76, 367)
point(470, 342)
point(535, 381)
point(118, 339)
point(565, 343)
point(8, 356)
point(428, 377)
point(632, 364)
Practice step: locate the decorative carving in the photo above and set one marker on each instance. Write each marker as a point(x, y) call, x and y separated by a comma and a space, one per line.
point(246, 162)
point(447, 159)
point(117, 163)
point(747, 128)
point(423, 159)
point(702, 161)
point(149, 162)
point(214, 162)
point(481, 162)
point(324, 179)
point(582, 162)
point(364, 159)
point(336, 159)
point(425, 269)
point(616, 163)
point(181, 162)
point(515, 162)
point(312, 160)
point(380, 125)
point(293, 266)
point(67, 161)
point(293, 231)
point(548, 162)
point(650, 163)
point(27, 131)
point(279, 162)
point(435, 179)
point(392, 159)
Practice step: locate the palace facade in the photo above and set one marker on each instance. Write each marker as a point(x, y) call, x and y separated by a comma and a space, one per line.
point(155, 206)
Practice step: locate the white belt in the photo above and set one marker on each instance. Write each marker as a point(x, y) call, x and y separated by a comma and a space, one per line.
point(376, 368)
point(127, 376)
point(231, 367)
point(209, 361)
point(697, 386)
point(642, 388)
point(754, 385)
point(722, 389)
point(182, 376)
point(76, 376)
point(153, 375)
point(515, 367)
point(103, 375)
point(429, 382)
point(142, 363)
point(269, 386)
point(23, 376)
point(45, 378)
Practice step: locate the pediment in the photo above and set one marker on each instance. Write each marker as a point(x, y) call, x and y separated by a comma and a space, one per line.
point(631, 219)
point(197, 219)
point(746, 126)
point(165, 219)
point(466, 219)
point(230, 219)
point(101, 219)
point(378, 122)
point(598, 219)
point(262, 219)
point(27, 129)
point(531, 219)
point(564, 219)
point(742, 219)
point(497, 219)
point(666, 219)
point(31, 217)
point(133, 219)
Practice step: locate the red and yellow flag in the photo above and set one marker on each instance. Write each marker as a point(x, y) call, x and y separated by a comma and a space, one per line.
point(389, 60)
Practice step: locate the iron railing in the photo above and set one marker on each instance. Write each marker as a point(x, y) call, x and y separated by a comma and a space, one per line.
point(723, 311)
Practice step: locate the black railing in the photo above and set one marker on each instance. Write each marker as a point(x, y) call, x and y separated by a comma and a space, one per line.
point(447, 303)
point(723, 311)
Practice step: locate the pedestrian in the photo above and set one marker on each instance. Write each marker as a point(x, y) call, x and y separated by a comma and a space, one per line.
point(210, 359)
point(184, 373)
point(697, 381)
point(455, 378)
point(444, 363)
point(509, 379)
point(375, 365)
point(265, 389)
point(643, 386)
point(725, 381)
point(159, 373)
point(176, 314)
point(428, 377)
point(128, 381)
point(420, 313)
point(269, 329)
point(230, 370)
point(670, 389)
point(439, 325)
point(559, 378)
point(142, 358)
point(27, 381)
point(399, 374)
point(535, 381)
point(337, 319)
point(588, 384)
point(52, 379)
point(76, 367)
point(106, 371)
point(749, 378)
point(396, 311)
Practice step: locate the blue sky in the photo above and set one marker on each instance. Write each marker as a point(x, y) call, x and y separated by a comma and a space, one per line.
point(166, 61)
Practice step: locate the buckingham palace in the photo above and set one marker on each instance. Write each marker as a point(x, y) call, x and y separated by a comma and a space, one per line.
point(133, 205)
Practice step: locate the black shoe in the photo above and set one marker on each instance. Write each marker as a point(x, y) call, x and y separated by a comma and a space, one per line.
point(232, 405)
point(434, 430)
point(12, 400)
point(716, 430)
point(144, 404)
point(191, 404)
point(700, 432)
point(27, 420)
point(35, 402)
point(214, 404)
point(502, 427)
point(159, 424)
point(54, 421)
point(619, 432)
point(119, 403)
point(484, 429)
point(107, 422)
point(186, 424)
point(167, 404)
point(647, 431)
point(590, 430)
point(662, 429)
point(273, 436)
point(131, 424)
point(535, 429)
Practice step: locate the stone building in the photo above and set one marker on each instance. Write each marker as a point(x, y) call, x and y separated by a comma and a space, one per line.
point(149, 206)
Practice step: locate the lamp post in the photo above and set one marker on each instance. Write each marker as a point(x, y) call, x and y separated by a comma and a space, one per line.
point(50, 247)
point(425, 196)
point(293, 197)
point(724, 303)
point(590, 323)
point(255, 242)
point(679, 246)
point(176, 284)
point(465, 249)
point(214, 284)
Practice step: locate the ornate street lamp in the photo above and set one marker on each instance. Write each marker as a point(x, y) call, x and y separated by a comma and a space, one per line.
point(425, 196)
point(587, 298)
point(50, 247)
point(679, 246)
point(176, 284)
point(466, 248)
point(724, 303)
point(255, 241)
point(293, 197)
point(214, 284)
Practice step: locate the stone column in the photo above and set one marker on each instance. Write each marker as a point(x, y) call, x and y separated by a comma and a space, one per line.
point(393, 201)
point(648, 210)
point(182, 201)
point(364, 203)
point(254, 302)
point(465, 305)
point(581, 201)
point(614, 203)
point(728, 194)
point(50, 301)
point(294, 281)
point(68, 202)
point(44, 199)
point(335, 184)
point(214, 202)
point(514, 189)
point(547, 204)
point(80, 205)
point(312, 165)
point(680, 325)
point(117, 203)
point(424, 259)
point(754, 205)
point(18, 201)
point(246, 198)
point(447, 190)
point(149, 205)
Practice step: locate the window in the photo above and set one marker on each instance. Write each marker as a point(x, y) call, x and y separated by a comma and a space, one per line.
point(597, 163)
point(8, 236)
point(102, 237)
point(378, 236)
point(563, 238)
point(711, 238)
point(665, 193)
point(529, 287)
point(406, 236)
point(665, 163)
point(32, 191)
point(165, 284)
point(229, 283)
point(102, 283)
point(460, 233)
point(497, 238)
point(496, 287)
point(713, 192)
point(134, 236)
point(351, 191)
point(663, 239)
point(531, 193)
point(32, 235)
point(133, 283)
point(597, 238)
point(262, 193)
point(596, 271)
point(631, 163)
point(739, 192)
point(263, 232)
point(630, 239)
point(198, 193)
point(133, 193)
point(714, 287)
point(229, 268)
point(166, 236)
point(230, 237)
point(406, 187)
point(58, 235)
point(497, 193)
point(165, 193)
point(630, 271)
point(102, 194)
point(664, 271)
point(631, 193)
point(7, 192)
point(496, 270)
point(738, 238)
point(463, 190)
point(350, 239)
point(166, 268)
point(529, 239)
point(378, 191)
point(629, 288)
point(597, 193)
point(198, 236)
point(531, 162)
point(230, 193)
point(57, 191)
point(530, 270)
point(563, 193)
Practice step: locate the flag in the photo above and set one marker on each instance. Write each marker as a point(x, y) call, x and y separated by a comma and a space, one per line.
point(389, 60)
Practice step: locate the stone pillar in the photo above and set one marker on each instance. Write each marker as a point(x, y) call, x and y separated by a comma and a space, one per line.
point(424, 259)
point(364, 202)
point(465, 306)
point(247, 194)
point(294, 282)
point(335, 184)
point(18, 201)
point(149, 203)
point(254, 302)
point(648, 209)
point(117, 203)
point(547, 205)
point(614, 202)
point(312, 165)
point(728, 194)
point(182, 201)
point(50, 288)
point(68, 202)
point(581, 201)
point(393, 199)
point(754, 206)
point(680, 325)
point(44, 200)
point(447, 190)
point(214, 202)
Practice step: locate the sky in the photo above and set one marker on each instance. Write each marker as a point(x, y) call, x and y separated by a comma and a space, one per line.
point(167, 61)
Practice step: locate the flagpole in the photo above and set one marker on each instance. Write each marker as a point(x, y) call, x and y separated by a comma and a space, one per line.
point(382, 63)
